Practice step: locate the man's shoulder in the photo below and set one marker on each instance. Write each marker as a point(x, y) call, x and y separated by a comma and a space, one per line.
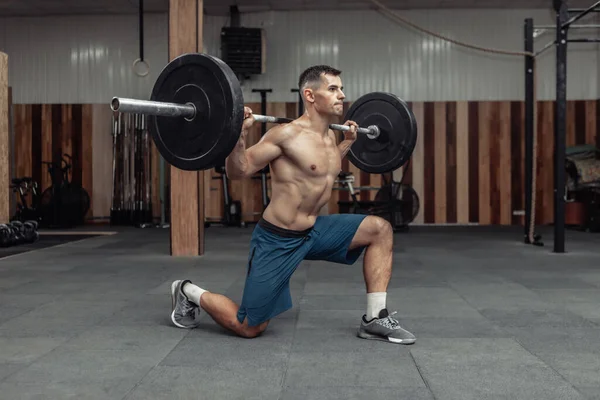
point(283, 132)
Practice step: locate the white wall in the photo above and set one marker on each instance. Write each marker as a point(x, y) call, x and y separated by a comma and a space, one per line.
point(88, 59)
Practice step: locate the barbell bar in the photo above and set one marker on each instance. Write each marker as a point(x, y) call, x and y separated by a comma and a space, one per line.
point(196, 111)
point(189, 111)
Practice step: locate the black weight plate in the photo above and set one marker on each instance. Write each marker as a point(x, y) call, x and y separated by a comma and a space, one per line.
point(398, 132)
point(210, 85)
point(233, 135)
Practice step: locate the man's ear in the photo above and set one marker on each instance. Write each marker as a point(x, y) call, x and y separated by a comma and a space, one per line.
point(309, 95)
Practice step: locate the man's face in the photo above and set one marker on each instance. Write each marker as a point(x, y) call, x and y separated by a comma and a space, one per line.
point(329, 97)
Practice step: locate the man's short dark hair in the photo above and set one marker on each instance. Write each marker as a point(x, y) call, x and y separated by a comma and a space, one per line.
point(312, 75)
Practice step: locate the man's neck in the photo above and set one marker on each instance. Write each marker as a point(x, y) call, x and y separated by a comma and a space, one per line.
point(318, 123)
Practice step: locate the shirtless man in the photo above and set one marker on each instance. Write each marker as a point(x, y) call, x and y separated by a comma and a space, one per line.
point(304, 162)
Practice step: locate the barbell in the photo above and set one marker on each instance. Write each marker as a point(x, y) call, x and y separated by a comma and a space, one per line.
point(188, 111)
point(196, 111)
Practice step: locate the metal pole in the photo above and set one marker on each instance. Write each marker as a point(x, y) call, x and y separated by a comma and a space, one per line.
point(141, 29)
point(595, 40)
point(552, 27)
point(566, 23)
point(157, 108)
point(560, 122)
point(529, 94)
point(578, 10)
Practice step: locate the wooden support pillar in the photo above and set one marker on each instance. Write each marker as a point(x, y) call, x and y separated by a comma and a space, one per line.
point(187, 187)
point(4, 141)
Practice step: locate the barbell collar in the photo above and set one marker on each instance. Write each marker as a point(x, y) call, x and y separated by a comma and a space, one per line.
point(156, 108)
point(372, 131)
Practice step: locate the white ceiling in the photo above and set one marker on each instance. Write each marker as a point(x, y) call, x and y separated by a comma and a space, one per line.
point(221, 7)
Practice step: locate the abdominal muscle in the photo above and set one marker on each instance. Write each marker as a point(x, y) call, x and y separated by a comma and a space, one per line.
point(297, 197)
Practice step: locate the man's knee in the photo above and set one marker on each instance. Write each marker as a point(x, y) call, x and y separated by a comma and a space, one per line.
point(380, 226)
point(251, 332)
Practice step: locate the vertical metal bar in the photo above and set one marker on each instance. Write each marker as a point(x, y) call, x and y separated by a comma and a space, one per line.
point(560, 122)
point(141, 29)
point(529, 88)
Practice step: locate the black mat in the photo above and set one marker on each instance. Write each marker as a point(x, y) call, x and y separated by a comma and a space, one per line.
point(46, 240)
point(494, 319)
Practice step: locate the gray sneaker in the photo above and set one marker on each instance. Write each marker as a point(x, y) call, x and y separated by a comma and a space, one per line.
point(385, 328)
point(185, 314)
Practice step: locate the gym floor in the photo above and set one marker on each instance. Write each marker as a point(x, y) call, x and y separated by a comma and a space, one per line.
point(494, 318)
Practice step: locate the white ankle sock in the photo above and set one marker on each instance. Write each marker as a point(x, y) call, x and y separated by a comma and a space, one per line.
point(375, 303)
point(193, 293)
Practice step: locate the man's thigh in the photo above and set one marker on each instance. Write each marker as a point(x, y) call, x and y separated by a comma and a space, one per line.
point(333, 237)
point(271, 264)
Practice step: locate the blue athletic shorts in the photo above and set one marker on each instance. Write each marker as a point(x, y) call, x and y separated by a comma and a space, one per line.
point(275, 253)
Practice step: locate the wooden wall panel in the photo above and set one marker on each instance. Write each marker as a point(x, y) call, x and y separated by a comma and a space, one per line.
point(87, 153)
point(467, 166)
point(483, 165)
point(46, 137)
point(9, 151)
point(505, 167)
point(23, 125)
point(36, 142)
point(597, 123)
point(102, 160)
point(493, 137)
point(591, 119)
point(462, 162)
point(545, 162)
point(428, 196)
point(572, 110)
point(517, 159)
point(473, 162)
point(418, 160)
point(66, 132)
point(4, 140)
point(155, 160)
point(439, 165)
point(450, 154)
point(576, 121)
point(77, 143)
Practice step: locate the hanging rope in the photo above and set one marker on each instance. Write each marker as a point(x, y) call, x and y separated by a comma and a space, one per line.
point(394, 15)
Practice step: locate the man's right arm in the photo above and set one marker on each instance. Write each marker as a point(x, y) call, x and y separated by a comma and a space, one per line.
point(243, 163)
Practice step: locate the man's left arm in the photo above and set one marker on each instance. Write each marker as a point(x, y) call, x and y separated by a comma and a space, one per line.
point(344, 147)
